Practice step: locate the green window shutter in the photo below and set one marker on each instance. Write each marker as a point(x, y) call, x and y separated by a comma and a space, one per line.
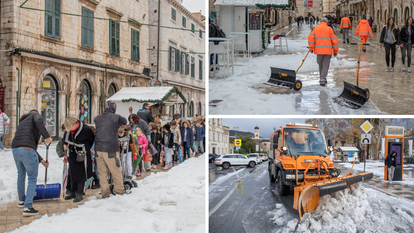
point(192, 28)
point(200, 69)
point(84, 27)
point(57, 20)
point(171, 58)
point(177, 60)
point(184, 22)
point(91, 29)
point(114, 37)
point(201, 34)
point(173, 14)
point(182, 62)
point(192, 67)
point(187, 64)
point(134, 44)
point(49, 18)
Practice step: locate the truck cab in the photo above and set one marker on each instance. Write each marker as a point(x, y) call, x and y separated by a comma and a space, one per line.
point(293, 149)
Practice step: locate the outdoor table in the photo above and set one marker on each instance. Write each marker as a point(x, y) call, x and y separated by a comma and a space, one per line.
point(230, 40)
point(248, 41)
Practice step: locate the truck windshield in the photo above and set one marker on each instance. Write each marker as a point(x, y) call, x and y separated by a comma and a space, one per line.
point(304, 141)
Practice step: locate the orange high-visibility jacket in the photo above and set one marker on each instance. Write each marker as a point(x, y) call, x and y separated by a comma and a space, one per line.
point(346, 22)
point(363, 28)
point(322, 40)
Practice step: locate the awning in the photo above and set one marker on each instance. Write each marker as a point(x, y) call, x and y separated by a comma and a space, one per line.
point(348, 149)
point(355, 1)
point(275, 3)
point(151, 95)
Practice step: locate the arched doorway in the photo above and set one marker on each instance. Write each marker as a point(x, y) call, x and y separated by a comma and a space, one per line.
point(191, 109)
point(200, 108)
point(111, 90)
point(378, 18)
point(406, 14)
point(85, 102)
point(50, 106)
point(385, 17)
point(396, 17)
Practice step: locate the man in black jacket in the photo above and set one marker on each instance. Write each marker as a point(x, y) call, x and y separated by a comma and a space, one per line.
point(145, 114)
point(391, 163)
point(27, 160)
point(107, 148)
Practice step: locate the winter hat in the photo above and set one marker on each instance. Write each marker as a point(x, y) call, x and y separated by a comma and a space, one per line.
point(364, 16)
point(324, 19)
point(111, 105)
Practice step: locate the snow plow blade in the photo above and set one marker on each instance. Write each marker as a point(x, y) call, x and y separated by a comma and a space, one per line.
point(284, 78)
point(307, 195)
point(352, 96)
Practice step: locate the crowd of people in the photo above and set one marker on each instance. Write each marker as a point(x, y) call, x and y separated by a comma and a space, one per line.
point(124, 148)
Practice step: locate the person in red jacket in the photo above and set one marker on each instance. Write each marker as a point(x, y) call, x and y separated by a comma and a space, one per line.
point(363, 30)
point(345, 26)
point(322, 40)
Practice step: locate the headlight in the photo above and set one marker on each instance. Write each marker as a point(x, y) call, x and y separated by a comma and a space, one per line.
point(284, 148)
point(290, 176)
point(334, 173)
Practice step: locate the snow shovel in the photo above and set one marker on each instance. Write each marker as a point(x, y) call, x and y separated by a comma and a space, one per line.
point(353, 96)
point(47, 191)
point(285, 78)
point(65, 174)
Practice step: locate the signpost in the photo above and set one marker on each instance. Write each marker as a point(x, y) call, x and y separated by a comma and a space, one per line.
point(237, 144)
point(366, 138)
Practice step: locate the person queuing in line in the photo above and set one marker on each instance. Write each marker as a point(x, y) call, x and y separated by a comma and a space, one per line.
point(129, 146)
point(4, 120)
point(142, 145)
point(187, 139)
point(78, 141)
point(156, 142)
point(391, 163)
point(199, 136)
point(322, 40)
point(107, 148)
point(175, 129)
point(135, 121)
point(345, 26)
point(95, 173)
point(168, 143)
point(363, 30)
point(145, 113)
point(24, 146)
point(406, 42)
point(389, 37)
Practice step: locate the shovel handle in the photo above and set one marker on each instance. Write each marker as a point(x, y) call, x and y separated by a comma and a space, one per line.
point(302, 61)
point(358, 44)
point(47, 157)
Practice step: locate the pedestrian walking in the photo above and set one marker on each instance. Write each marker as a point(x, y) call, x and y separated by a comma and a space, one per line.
point(389, 37)
point(345, 26)
point(145, 113)
point(363, 30)
point(24, 146)
point(391, 163)
point(406, 41)
point(370, 21)
point(322, 40)
point(107, 148)
point(4, 121)
point(78, 140)
point(199, 136)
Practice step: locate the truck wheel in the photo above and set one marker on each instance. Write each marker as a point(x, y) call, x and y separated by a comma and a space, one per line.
point(281, 187)
point(226, 165)
point(271, 177)
point(252, 164)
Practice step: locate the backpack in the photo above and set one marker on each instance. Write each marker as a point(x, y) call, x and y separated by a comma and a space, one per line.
point(59, 148)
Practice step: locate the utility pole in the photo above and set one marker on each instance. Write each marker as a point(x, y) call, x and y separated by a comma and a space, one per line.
point(235, 147)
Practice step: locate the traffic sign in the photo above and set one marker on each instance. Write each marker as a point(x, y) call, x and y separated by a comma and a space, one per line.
point(237, 142)
point(365, 138)
point(366, 126)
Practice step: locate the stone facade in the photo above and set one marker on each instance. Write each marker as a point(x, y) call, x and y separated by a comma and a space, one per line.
point(65, 61)
point(193, 88)
point(317, 9)
point(219, 137)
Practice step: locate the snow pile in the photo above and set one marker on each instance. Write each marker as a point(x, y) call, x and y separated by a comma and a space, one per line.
point(172, 201)
point(359, 210)
point(280, 218)
point(8, 172)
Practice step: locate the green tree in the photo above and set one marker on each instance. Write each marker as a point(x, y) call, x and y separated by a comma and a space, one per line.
point(248, 144)
point(242, 151)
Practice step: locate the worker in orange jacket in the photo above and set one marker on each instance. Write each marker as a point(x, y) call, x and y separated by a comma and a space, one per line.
point(363, 30)
point(345, 26)
point(322, 40)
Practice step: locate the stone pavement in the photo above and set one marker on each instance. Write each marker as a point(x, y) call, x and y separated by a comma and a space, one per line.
point(11, 215)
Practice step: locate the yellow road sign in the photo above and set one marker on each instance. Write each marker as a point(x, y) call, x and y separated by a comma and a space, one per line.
point(237, 142)
point(366, 126)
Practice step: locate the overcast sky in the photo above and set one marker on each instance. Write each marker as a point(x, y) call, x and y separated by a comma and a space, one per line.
point(195, 6)
point(265, 124)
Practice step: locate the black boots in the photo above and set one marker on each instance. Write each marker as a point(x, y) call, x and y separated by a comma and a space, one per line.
point(96, 185)
point(78, 198)
point(70, 196)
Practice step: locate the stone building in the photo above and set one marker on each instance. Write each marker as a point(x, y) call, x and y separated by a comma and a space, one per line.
point(306, 10)
point(180, 60)
point(219, 137)
point(263, 143)
point(63, 64)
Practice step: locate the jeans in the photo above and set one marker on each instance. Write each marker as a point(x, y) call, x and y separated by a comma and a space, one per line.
point(186, 151)
point(26, 162)
point(391, 173)
point(168, 154)
point(1, 144)
point(406, 48)
point(390, 49)
point(199, 144)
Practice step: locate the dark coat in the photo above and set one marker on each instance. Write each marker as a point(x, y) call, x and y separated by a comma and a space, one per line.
point(391, 160)
point(190, 136)
point(107, 124)
point(403, 37)
point(170, 140)
point(155, 137)
point(395, 32)
point(145, 115)
point(143, 125)
point(84, 135)
point(199, 133)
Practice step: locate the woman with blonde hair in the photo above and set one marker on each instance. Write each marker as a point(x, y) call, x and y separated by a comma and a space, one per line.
point(142, 144)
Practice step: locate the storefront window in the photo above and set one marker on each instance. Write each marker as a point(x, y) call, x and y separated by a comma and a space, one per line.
point(85, 102)
point(111, 90)
point(50, 106)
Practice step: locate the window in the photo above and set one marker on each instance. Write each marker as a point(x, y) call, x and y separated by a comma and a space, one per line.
point(214, 137)
point(218, 150)
point(200, 70)
point(222, 138)
point(172, 58)
point(52, 19)
point(200, 34)
point(114, 37)
point(182, 62)
point(87, 27)
point(134, 44)
point(85, 102)
point(191, 109)
point(213, 121)
point(184, 22)
point(192, 28)
point(177, 60)
point(193, 67)
point(187, 64)
point(111, 90)
point(173, 14)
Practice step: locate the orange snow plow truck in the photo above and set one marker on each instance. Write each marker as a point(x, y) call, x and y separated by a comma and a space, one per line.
point(299, 157)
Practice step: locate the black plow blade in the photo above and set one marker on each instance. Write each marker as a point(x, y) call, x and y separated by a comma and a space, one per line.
point(352, 96)
point(284, 78)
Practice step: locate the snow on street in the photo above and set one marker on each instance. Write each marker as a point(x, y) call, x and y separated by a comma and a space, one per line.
point(172, 201)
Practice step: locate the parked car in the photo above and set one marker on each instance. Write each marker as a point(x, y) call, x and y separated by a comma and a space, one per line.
point(257, 157)
point(228, 160)
point(212, 157)
point(264, 157)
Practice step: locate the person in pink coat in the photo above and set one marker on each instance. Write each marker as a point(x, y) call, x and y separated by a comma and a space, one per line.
point(142, 143)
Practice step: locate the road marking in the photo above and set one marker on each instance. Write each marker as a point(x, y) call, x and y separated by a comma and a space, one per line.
point(221, 202)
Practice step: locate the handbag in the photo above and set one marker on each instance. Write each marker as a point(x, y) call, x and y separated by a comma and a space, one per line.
point(80, 156)
point(195, 147)
point(153, 151)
